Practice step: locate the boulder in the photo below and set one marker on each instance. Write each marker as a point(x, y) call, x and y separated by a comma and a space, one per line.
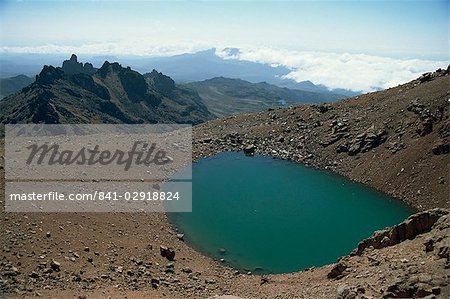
point(337, 271)
point(354, 148)
point(166, 252)
point(323, 108)
point(425, 77)
point(345, 292)
point(410, 287)
point(249, 150)
point(367, 140)
point(56, 266)
point(342, 148)
point(441, 148)
point(426, 127)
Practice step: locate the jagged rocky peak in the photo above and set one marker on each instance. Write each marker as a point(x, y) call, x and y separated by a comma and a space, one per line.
point(117, 68)
point(104, 68)
point(109, 67)
point(160, 82)
point(72, 66)
point(133, 83)
point(49, 74)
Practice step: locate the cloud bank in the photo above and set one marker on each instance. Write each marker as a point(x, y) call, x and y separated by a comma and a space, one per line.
point(135, 47)
point(357, 72)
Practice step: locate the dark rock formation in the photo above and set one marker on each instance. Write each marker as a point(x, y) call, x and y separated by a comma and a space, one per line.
point(427, 116)
point(440, 243)
point(136, 87)
point(56, 266)
point(367, 140)
point(160, 82)
point(345, 292)
point(49, 75)
point(249, 150)
point(415, 225)
point(323, 108)
point(113, 94)
point(132, 82)
point(342, 148)
point(43, 110)
point(426, 127)
point(431, 75)
point(337, 271)
point(86, 82)
point(107, 68)
point(166, 252)
point(442, 147)
point(411, 287)
point(72, 67)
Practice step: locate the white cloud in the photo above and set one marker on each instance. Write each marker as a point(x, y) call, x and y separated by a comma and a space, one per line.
point(139, 47)
point(358, 72)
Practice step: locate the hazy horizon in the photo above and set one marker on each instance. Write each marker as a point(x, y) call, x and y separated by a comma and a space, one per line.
point(370, 44)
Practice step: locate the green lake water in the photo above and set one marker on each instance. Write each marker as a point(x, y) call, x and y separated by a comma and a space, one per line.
point(267, 215)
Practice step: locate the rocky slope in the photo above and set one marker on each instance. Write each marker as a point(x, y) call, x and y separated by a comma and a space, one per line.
point(78, 93)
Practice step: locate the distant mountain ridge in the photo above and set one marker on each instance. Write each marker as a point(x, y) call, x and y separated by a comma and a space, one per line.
point(81, 93)
point(11, 85)
point(204, 65)
point(226, 96)
point(111, 94)
point(183, 68)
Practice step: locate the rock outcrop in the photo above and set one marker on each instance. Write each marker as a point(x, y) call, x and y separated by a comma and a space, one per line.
point(412, 287)
point(113, 94)
point(440, 243)
point(72, 67)
point(367, 140)
point(337, 271)
point(49, 75)
point(160, 82)
point(407, 230)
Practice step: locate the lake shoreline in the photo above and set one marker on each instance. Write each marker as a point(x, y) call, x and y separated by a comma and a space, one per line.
point(401, 164)
point(280, 206)
point(317, 167)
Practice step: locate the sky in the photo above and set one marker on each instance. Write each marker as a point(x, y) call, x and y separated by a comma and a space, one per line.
point(399, 30)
